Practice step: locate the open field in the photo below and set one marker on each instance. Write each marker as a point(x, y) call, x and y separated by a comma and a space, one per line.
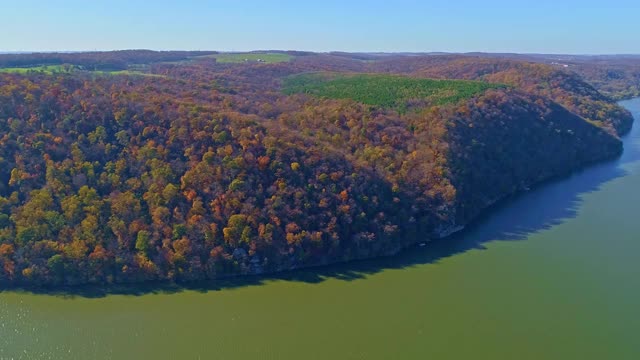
point(60, 69)
point(384, 90)
point(268, 58)
point(49, 69)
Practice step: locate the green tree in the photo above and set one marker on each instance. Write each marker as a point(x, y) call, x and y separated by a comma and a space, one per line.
point(237, 230)
point(142, 242)
point(56, 265)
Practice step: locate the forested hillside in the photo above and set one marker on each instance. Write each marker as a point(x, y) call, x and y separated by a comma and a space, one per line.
point(183, 166)
point(616, 78)
point(563, 87)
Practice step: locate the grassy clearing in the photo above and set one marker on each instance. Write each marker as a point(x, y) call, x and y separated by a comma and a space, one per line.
point(47, 69)
point(66, 69)
point(268, 58)
point(391, 91)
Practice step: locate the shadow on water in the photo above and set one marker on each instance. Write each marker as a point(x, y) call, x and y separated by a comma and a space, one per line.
point(513, 219)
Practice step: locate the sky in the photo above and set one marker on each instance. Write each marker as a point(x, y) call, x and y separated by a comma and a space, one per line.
point(542, 26)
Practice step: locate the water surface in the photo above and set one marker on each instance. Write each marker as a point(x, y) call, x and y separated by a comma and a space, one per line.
point(551, 274)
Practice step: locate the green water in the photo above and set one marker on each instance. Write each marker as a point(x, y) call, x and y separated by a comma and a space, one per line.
point(552, 274)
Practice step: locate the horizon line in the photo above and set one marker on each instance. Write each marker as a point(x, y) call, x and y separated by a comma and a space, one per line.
point(9, 52)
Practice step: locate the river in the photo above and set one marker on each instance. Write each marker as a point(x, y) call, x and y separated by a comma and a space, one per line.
point(551, 274)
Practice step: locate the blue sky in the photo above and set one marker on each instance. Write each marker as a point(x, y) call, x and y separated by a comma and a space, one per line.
point(560, 26)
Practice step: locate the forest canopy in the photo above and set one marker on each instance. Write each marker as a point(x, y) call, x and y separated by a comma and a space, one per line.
point(174, 166)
